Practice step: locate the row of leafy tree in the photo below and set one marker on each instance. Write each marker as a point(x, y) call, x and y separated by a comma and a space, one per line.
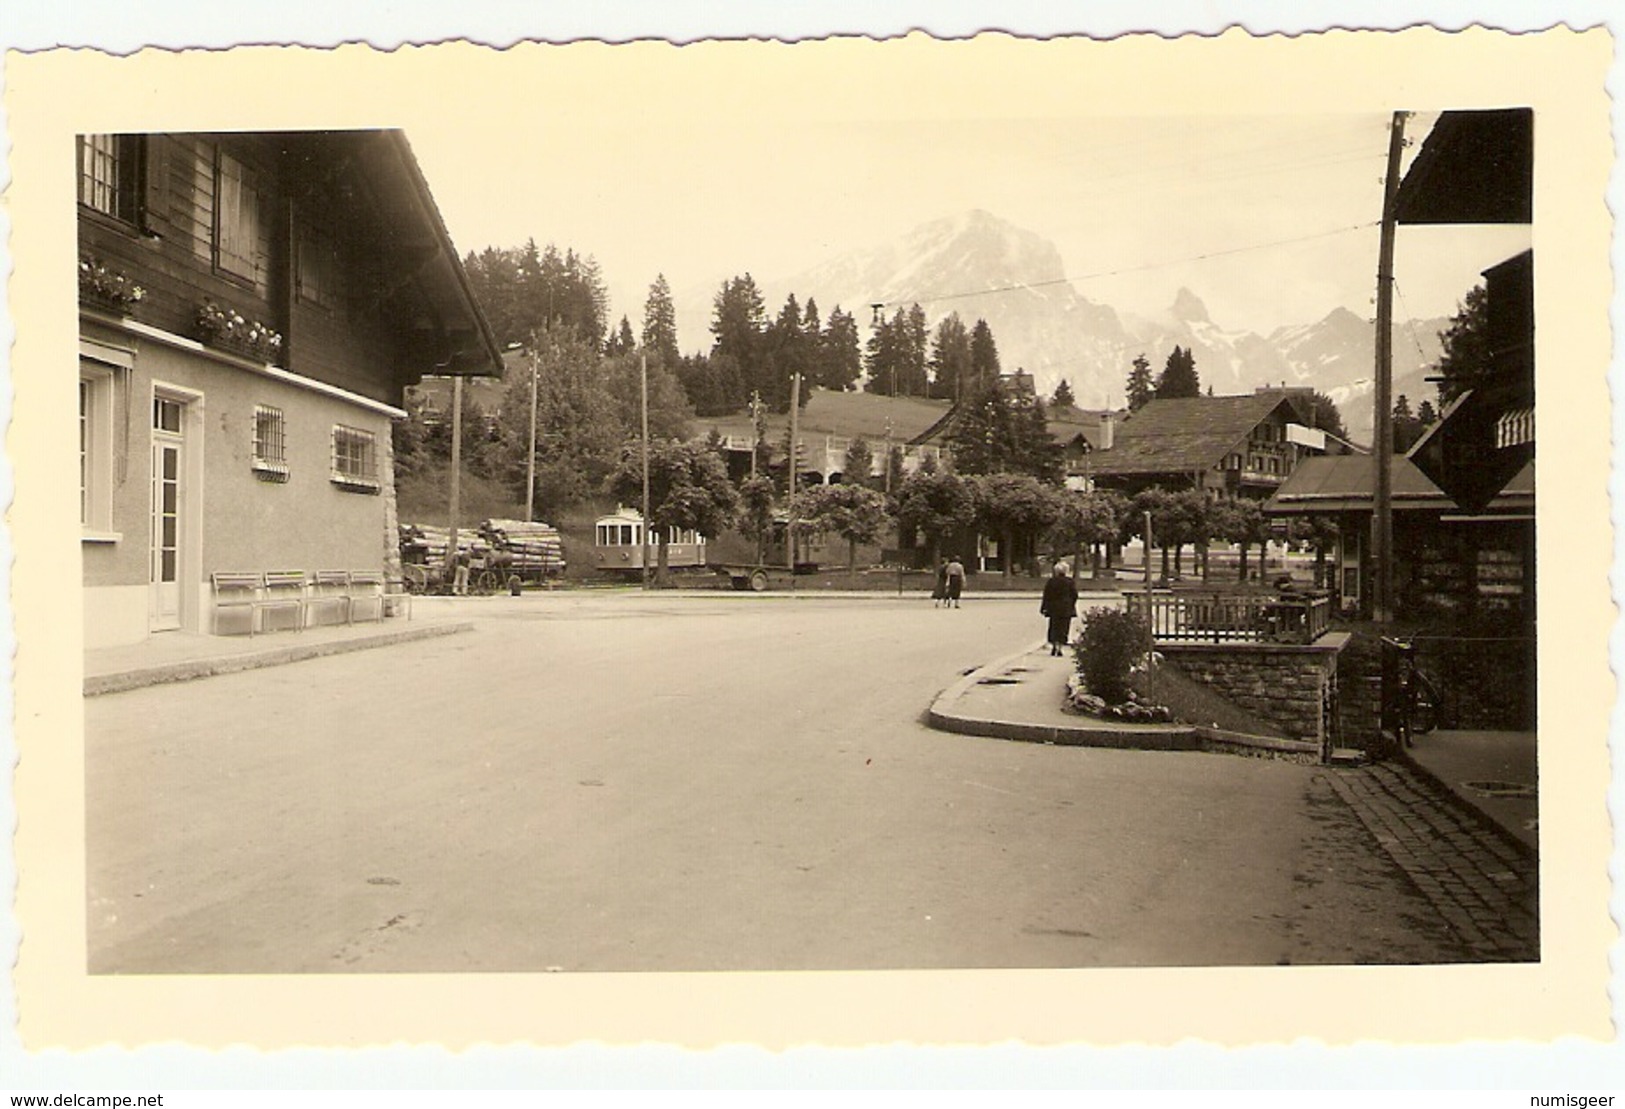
point(690, 489)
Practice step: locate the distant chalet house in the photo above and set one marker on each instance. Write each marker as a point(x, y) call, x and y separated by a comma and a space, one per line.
point(1477, 167)
point(825, 430)
point(432, 396)
point(1236, 446)
point(1080, 433)
point(252, 307)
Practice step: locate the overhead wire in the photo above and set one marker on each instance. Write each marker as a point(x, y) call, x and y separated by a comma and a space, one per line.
point(1030, 285)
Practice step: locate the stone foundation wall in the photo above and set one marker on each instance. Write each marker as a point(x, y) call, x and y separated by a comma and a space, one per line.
point(1292, 687)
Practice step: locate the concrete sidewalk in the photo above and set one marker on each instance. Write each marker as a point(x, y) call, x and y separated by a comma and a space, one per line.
point(1492, 775)
point(1020, 696)
point(180, 656)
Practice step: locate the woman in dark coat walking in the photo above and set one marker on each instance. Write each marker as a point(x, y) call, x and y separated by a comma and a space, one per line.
point(1060, 605)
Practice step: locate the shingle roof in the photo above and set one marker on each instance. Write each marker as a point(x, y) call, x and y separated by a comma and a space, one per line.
point(1186, 435)
point(1343, 483)
point(852, 415)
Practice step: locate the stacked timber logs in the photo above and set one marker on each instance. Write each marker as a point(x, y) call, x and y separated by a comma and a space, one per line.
point(425, 544)
point(534, 550)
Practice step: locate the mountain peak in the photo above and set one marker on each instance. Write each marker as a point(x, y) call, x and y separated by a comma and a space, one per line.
point(1188, 307)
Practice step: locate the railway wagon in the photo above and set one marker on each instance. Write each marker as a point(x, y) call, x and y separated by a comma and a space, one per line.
point(620, 545)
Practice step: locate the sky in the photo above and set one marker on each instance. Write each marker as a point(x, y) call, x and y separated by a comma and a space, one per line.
point(1271, 220)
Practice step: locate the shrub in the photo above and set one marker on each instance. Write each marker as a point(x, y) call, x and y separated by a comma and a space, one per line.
point(1110, 644)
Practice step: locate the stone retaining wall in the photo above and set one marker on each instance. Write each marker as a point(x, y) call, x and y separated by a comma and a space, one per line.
point(1291, 686)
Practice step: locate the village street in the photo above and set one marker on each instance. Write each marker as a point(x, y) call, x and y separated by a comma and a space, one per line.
point(601, 782)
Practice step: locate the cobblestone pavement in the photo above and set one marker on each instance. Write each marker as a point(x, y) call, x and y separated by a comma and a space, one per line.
point(1486, 889)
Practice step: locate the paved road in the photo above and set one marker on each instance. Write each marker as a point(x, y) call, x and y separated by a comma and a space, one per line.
point(678, 783)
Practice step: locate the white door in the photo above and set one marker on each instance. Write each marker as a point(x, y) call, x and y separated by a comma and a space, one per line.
point(164, 605)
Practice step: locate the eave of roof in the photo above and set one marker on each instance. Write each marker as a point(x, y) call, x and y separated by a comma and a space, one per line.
point(485, 338)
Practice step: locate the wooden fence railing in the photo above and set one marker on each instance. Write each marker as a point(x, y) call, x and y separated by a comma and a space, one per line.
point(1232, 617)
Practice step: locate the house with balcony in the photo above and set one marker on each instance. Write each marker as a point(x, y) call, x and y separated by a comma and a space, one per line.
point(252, 306)
point(1235, 446)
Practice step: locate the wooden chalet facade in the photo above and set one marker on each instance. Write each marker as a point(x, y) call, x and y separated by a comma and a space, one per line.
point(1237, 446)
point(252, 307)
point(1477, 167)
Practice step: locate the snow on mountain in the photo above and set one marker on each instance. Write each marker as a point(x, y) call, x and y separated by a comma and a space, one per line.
point(981, 266)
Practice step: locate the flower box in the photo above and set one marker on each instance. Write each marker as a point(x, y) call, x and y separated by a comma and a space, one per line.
point(229, 330)
point(101, 286)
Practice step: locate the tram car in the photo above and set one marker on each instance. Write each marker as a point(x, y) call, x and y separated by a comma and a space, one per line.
point(620, 546)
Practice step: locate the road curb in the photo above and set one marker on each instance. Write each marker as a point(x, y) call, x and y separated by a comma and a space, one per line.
point(126, 680)
point(943, 716)
point(1471, 811)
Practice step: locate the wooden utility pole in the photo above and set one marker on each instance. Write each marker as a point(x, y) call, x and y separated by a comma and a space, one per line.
point(795, 443)
point(530, 458)
point(643, 395)
point(456, 469)
point(1383, 449)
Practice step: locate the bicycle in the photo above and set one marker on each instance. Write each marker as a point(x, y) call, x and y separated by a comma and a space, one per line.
point(1416, 704)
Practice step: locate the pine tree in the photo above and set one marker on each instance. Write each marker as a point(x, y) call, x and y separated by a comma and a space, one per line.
point(1178, 377)
point(738, 325)
point(1140, 387)
point(842, 356)
point(915, 339)
point(950, 360)
point(1466, 354)
point(660, 323)
point(984, 357)
point(620, 340)
point(1063, 397)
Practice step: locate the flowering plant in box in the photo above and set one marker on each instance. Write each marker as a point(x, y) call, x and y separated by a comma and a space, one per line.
point(228, 328)
point(100, 284)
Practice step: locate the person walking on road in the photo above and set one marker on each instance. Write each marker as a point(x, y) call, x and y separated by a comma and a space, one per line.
point(939, 592)
point(956, 580)
point(1060, 604)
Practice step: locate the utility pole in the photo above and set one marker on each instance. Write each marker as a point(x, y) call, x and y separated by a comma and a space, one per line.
point(456, 467)
point(1383, 450)
point(755, 427)
point(1150, 618)
point(530, 458)
point(643, 393)
point(886, 465)
point(790, 523)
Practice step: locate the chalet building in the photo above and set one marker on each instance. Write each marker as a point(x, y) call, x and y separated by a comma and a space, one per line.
point(1447, 559)
point(826, 428)
point(1464, 494)
point(252, 307)
point(1238, 446)
point(1476, 167)
point(1080, 433)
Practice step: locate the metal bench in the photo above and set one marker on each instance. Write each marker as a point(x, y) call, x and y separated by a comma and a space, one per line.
point(367, 588)
point(235, 592)
point(330, 590)
point(284, 589)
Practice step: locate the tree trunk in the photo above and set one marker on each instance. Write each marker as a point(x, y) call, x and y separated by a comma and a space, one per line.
point(1201, 553)
point(1164, 551)
point(1179, 560)
point(852, 559)
point(1243, 545)
point(1007, 548)
point(660, 573)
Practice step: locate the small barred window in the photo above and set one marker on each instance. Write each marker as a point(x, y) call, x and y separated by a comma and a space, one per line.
point(270, 444)
point(355, 459)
